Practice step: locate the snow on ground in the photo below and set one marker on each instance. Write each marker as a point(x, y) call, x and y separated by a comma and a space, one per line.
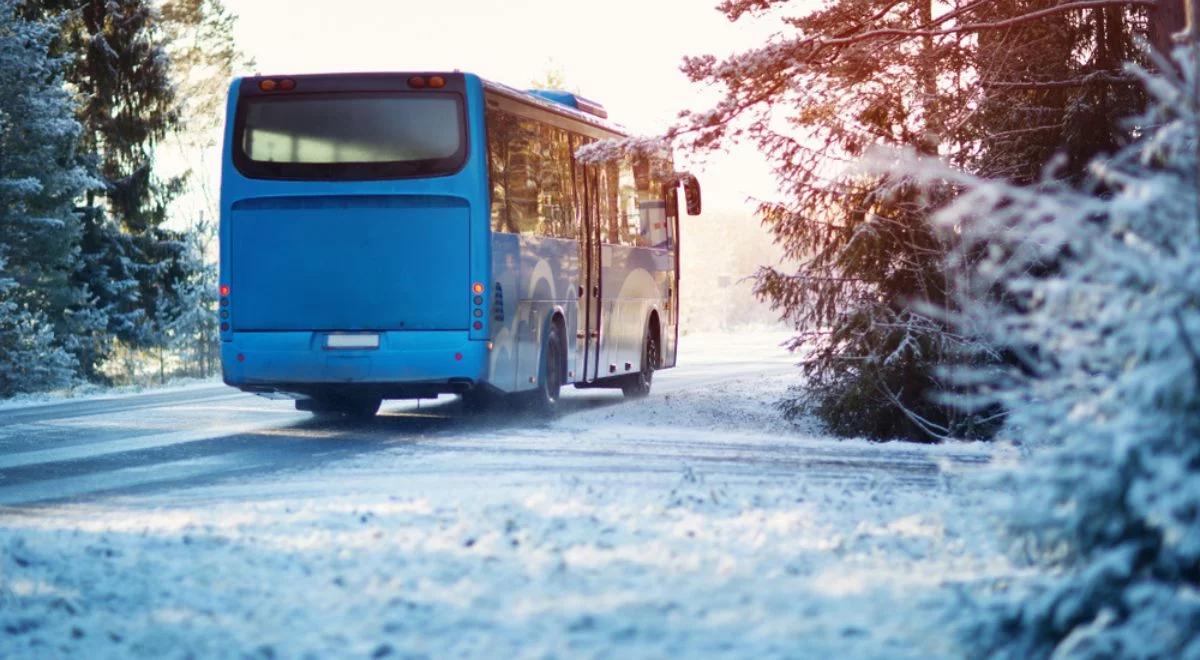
point(92, 392)
point(693, 523)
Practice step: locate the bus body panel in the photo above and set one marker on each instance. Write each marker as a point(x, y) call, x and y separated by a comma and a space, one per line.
point(366, 262)
point(294, 361)
point(549, 272)
point(293, 358)
point(537, 279)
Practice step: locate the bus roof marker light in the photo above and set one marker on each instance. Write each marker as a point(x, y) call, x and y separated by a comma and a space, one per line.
point(437, 82)
point(287, 84)
point(416, 82)
point(267, 85)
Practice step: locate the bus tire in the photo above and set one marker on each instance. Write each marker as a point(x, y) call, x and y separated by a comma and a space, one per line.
point(357, 407)
point(550, 374)
point(637, 386)
point(364, 408)
point(476, 401)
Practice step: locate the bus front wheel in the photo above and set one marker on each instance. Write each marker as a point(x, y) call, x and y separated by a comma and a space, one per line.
point(638, 385)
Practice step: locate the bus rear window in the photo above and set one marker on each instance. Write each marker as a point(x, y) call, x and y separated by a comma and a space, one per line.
point(350, 136)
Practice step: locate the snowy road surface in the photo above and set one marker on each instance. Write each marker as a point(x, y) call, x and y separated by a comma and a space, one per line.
point(211, 523)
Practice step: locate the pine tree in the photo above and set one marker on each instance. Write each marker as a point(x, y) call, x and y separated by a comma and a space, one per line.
point(39, 179)
point(851, 76)
point(129, 262)
point(191, 320)
point(1100, 308)
point(204, 57)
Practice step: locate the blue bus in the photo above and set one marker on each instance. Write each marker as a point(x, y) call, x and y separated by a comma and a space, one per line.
point(405, 235)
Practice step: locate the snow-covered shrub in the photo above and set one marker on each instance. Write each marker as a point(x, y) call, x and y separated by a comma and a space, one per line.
point(1094, 296)
point(30, 358)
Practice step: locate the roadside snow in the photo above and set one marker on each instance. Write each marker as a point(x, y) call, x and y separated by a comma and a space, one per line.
point(694, 568)
point(693, 523)
point(90, 392)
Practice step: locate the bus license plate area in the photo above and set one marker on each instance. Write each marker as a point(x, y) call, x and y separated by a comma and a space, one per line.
point(356, 341)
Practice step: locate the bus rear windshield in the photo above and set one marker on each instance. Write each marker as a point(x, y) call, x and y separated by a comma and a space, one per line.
point(350, 136)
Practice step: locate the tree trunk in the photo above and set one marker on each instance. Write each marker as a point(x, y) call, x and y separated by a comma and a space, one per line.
point(1169, 18)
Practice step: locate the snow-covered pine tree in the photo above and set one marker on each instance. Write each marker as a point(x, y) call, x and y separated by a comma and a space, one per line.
point(204, 57)
point(39, 180)
point(128, 260)
point(847, 75)
point(1099, 305)
point(191, 320)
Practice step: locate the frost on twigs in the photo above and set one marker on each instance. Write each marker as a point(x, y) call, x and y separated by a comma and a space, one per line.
point(608, 151)
point(1094, 294)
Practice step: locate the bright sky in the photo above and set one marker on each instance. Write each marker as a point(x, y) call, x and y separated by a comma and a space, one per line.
point(623, 53)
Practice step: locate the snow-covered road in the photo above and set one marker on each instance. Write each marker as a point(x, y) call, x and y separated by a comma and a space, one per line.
point(696, 522)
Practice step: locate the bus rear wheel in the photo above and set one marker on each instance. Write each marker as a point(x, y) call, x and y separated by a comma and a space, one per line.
point(476, 401)
point(545, 398)
point(638, 385)
point(355, 407)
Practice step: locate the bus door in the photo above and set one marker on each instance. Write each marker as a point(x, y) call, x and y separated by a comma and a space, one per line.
point(588, 337)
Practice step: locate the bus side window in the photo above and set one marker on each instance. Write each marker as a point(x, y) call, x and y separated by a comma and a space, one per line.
point(502, 132)
point(653, 215)
point(556, 213)
point(578, 174)
point(630, 222)
point(515, 160)
point(610, 202)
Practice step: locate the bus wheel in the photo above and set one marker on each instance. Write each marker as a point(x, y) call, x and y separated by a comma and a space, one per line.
point(638, 385)
point(358, 407)
point(364, 408)
point(545, 397)
point(476, 401)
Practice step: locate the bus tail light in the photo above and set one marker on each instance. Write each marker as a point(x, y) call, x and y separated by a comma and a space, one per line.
point(224, 290)
point(477, 287)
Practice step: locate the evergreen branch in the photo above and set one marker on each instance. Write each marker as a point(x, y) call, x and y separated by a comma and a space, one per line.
point(1093, 79)
point(933, 429)
point(982, 27)
point(1188, 346)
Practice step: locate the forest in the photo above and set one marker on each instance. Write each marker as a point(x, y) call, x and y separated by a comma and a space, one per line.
point(99, 281)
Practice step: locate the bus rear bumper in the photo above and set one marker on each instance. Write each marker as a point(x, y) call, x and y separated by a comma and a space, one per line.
point(405, 363)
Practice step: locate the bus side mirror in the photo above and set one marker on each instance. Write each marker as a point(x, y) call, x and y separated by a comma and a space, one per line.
point(691, 193)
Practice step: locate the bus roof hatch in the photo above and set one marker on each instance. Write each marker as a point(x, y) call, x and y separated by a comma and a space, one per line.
point(571, 101)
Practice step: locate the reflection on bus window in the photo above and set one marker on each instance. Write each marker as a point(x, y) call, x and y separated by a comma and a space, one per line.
point(532, 189)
